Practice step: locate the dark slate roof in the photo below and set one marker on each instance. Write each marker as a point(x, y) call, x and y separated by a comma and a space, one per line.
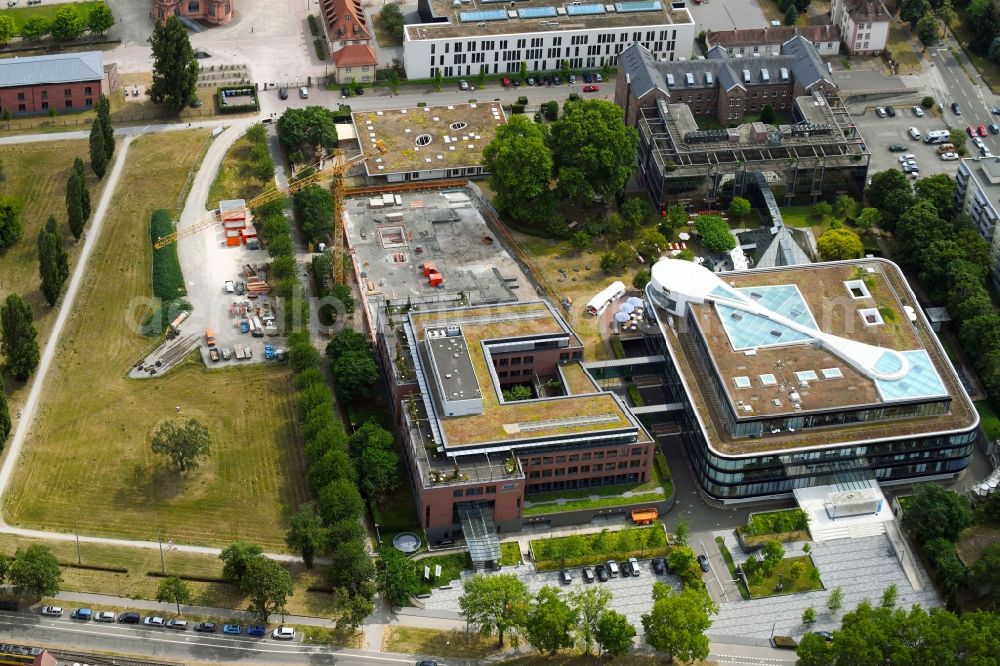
point(807, 66)
point(639, 66)
point(61, 68)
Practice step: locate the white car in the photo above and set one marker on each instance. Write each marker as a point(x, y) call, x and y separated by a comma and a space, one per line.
point(979, 142)
point(918, 112)
point(914, 133)
point(948, 157)
point(52, 611)
point(283, 634)
point(880, 110)
point(908, 157)
point(153, 621)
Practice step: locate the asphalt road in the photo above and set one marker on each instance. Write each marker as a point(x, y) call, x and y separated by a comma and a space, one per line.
point(975, 99)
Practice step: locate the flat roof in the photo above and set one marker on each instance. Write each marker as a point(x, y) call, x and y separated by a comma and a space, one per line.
point(450, 355)
point(507, 422)
point(429, 137)
point(987, 175)
point(481, 18)
point(787, 362)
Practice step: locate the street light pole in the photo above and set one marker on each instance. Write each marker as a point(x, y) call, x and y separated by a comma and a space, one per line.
point(163, 564)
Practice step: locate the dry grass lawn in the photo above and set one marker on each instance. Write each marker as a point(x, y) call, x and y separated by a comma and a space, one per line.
point(437, 642)
point(87, 463)
point(976, 539)
point(234, 180)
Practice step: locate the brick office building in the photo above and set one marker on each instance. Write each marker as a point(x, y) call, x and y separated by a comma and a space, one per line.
point(475, 456)
point(214, 12)
point(65, 82)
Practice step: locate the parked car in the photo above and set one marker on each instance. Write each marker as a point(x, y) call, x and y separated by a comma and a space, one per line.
point(52, 611)
point(914, 133)
point(283, 634)
point(256, 630)
point(956, 109)
point(907, 157)
point(897, 148)
point(891, 112)
point(613, 569)
point(994, 128)
point(981, 130)
point(978, 142)
point(625, 569)
point(949, 157)
point(205, 627)
point(970, 131)
point(601, 572)
point(572, 79)
point(918, 112)
point(232, 629)
point(880, 111)
point(588, 575)
point(153, 621)
point(179, 625)
point(658, 567)
point(591, 88)
point(304, 92)
point(588, 77)
point(704, 564)
point(565, 577)
point(598, 77)
point(104, 616)
point(227, 353)
point(505, 82)
point(345, 91)
point(84, 614)
point(429, 662)
point(8, 604)
point(283, 93)
point(557, 80)
point(463, 84)
point(129, 617)
point(995, 110)
point(531, 81)
point(825, 635)
point(634, 565)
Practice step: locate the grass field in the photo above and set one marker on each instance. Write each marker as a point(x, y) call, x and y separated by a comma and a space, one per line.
point(989, 70)
point(901, 48)
point(807, 581)
point(450, 644)
point(48, 12)
point(234, 180)
point(510, 554)
point(87, 462)
point(36, 179)
point(988, 419)
point(452, 566)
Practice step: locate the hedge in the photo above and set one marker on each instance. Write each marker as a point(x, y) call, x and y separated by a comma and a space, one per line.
point(224, 107)
point(93, 567)
point(635, 396)
point(616, 346)
point(192, 579)
point(313, 25)
point(168, 280)
point(320, 51)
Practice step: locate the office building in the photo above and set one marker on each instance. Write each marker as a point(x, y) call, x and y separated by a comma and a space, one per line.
point(65, 82)
point(768, 41)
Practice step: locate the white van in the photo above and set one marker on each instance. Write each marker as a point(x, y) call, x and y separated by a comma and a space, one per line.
point(914, 133)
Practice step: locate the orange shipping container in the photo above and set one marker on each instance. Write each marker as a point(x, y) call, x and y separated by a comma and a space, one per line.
point(429, 268)
point(436, 279)
point(233, 239)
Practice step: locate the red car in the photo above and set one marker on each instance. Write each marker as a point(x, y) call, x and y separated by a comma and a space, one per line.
point(591, 88)
point(981, 130)
point(968, 130)
point(505, 81)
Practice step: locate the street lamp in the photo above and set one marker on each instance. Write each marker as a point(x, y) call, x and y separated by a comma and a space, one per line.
point(378, 537)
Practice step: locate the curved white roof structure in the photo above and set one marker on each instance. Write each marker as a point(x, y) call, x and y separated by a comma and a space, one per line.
point(757, 320)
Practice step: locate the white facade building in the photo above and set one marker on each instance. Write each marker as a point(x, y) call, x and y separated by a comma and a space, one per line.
point(768, 41)
point(457, 38)
point(977, 194)
point(864, 25)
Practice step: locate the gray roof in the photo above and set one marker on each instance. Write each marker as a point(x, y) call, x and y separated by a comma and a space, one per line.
point(807, 66)
point(60, 68)
point(640, 68)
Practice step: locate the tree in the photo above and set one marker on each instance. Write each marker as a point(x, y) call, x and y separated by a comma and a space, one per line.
point(774, 552)
point(520, 166)
point(641, 278)
point(98, 151)
point(400, 581)
point(53, 261)
point(495, 604)
point(81, 171)
point(18, 338)
point(35, 571)
point(650, 243)
point(235, 558)
point(5, 422)
point(351, 568)
point(957, 138)
point(791, 15)
point(10, 226)
point(67, 26)
point(7, 29)
point(580, 241)
point(173, 590)
point(307, 130)
point(35, 27)
point(714, 232)
point(890, 192)
point(912, 10)
point(392, 19)
point(637, 211)
point(590, 604)
point(355, 375)
point(809, 615)
point(107, 129)
point(184, 444)
point(767, 115)
point(593, 150)
point(75, 187)
point(517, 392)
point(678, 621)
point(837, 244)
point(868, 218)
point(379, 471)
point(889, 596)
point(175, 69)
point(939, 190)
point(836, 600)
point(986, 572)
point(614, 633)
point(739, 207)
point(681, 531)
point(677, 217)
point(935, 512)
point(438, 80)
point(928, 30)
point(917, 228)
point(314, 207)
point(101, 19)
point(347, 339)
point(550, 621)
point(306, 534)
point(844, 206)
point(340, 500)
point(267, 585)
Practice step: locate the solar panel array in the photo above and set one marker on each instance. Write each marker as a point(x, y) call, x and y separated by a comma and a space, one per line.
point(483, 15)
point(584, 10)
point(537, 12)
point(642, 6)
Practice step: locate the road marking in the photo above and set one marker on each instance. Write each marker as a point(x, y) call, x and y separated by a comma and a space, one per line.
point(740, 659)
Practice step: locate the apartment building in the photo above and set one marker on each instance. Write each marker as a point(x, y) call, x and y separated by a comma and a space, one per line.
point(977, 194)
point(864, 25)
point(768, 41)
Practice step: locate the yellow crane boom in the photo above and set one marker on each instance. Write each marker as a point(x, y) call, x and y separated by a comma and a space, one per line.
point(336, 167)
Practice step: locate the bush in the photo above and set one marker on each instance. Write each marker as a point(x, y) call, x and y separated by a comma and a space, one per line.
point(616, 346)
point(714, 232)
point(927, 102)
point(168, 280)
point(522, 100)
point(313, 26)
point(517, 109)
point(777, 522)
point(320, 51)
point(635, 396)
point(224, 107)
point(551, 110)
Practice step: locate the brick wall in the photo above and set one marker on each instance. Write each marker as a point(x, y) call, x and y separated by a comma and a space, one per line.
point(63, 97)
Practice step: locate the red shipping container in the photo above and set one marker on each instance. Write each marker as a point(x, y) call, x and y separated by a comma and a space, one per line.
point(436, 279)
point(429, 268)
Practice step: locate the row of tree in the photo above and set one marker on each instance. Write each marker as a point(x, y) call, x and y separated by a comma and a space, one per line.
point(589, 152)
point(102, 139)
point(67, 24)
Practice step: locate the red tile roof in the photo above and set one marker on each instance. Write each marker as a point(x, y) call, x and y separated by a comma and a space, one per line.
point(355, 55)
point(761, 36)
point(345, 20)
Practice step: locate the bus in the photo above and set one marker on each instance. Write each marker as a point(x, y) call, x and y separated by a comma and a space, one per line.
point(608, 295)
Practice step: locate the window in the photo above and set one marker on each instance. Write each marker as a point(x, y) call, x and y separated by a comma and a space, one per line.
point(69, 104)
point(598, 468)
point(560, 459)
point(637, 452)
point(575, 457)
point(561, 471)
point(584, 469)
point(503, 361)
point(571, 470)
point(68, 92)
point(89, 101)
point(546, 473)
point(515, 373)
point(609, 467)
point(88, 91)
point(473, 491)
point(491, 490)
point(21, 107)
point(598, 455)
point(20, 96)
point(534, 475)
point(635, 463)
point(536, 461)
point(45, 94)
point(529, 359)
point(516, 360)
point(547, 460)
point(612, 454)
point(586, 456)
point(45, 105)
point(502, 374)
point(457, 492)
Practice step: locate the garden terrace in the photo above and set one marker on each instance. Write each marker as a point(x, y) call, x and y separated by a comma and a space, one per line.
point(578, 381)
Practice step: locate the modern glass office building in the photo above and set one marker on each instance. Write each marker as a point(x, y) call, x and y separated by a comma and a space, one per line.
point(806, 375)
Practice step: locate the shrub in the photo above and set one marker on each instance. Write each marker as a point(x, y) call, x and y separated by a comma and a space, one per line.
point(927, 102)
point(168, 280)
point(635, 396)
point(320, 51)
point(226, 107)
point(313, 26)
point(616, 346)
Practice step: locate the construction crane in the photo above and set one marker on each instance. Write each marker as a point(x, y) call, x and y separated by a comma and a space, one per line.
point(336, 167)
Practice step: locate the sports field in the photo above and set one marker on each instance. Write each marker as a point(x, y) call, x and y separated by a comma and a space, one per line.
point(87, 463)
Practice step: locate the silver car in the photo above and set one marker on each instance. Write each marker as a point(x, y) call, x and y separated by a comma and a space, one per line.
point(104, 616)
